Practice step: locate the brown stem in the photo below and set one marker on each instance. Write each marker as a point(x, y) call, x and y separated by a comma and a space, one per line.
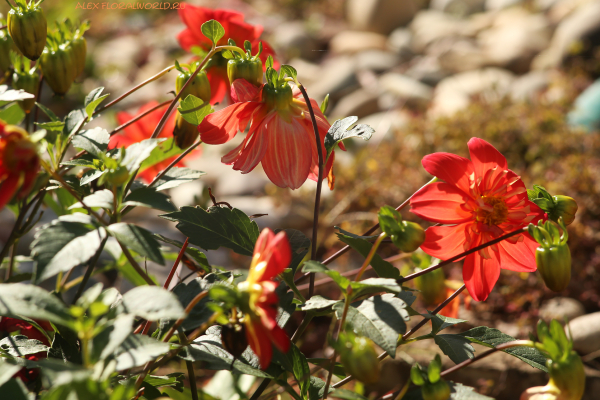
point(313, 254)
point(137, 118)
point(176, 264)
point(188, 310)
point(37, 99)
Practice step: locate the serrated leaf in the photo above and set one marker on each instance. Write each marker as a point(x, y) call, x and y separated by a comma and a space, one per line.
point(383, 268)
point(112, 337)
point(94, 141)
point(320, 305)
point(73, 120)
point(21, 345)
point(457, 347)
point(137, 350)
point(164, 151)
point(380, 318)
point(193, 109)
point(53, 126)
point(138, 152)
point(93, 96)
point(177, 176)
point(289, 71)
point(152, 303)
point(101, 199)
point(440, 322)
point(90, 107)
point(315, 266)
point(90, 176)
point(339, 131)
point(138, 239)
point(300, 369)
point(18, 299)
point(217, 227)
point(49, 113)
point(213, 30)
point(374, 285)
point(491, 337)
point(317, 388)
point(149, 197)
point(75, 252)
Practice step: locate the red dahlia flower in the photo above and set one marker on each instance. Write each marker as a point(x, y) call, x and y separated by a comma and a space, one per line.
point(235, 28)
point(281, 135)
point(19, 163)
point(142, 129)
point(272, 254)
point(482, 199)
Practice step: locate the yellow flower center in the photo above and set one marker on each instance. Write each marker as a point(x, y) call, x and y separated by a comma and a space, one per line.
point(493, 212)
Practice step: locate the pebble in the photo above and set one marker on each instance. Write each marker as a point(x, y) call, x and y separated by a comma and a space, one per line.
point(586, 332)
point(561, 309)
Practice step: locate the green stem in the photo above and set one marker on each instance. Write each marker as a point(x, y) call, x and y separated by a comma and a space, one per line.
point(370, 256)
point(192, 379)
point(88, 272)
point(303, 325)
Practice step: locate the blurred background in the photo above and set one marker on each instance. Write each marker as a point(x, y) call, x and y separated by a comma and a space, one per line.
point(427, 76)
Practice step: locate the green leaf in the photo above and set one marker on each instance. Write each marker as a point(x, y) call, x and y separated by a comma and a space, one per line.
point(299, 244)
point(53, 126)
point(374, 285)
point(15, 389)
point(138, 152)
point(383, 268)
point(50, 239)
point(380, 318)
point(137, 350)
point(440, 322)
point(213, 30)
point(93, 100)
point(300, 369)
point(20, 346)
point(90, 176)
point(152, 303)
point(138, 239)
point(217, 227)
point(149, 197)
point(94, 141)
point(319, 305)
point(18, 299)
point(101, 199)
point(65, 346)
point(491, 337)
point(193, 109)
point(106, 343)
point(317, 388)
point(12, 114)
point(196, 254)
point(48, 112)
point(164, 151)
point(9, 95)
point(73, 120)
point(339, 131)
point(289, 71)
point(75, 252)
point(457, 347)
point(315, 266)
point(177, 176)
point(174, 380)
point(7, 370)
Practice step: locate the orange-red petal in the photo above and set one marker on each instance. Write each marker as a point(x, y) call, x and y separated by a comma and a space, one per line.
point(441, 202)
point(480, 275)
point(449, 167)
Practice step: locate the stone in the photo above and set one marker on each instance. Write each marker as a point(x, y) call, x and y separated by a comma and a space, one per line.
point(399, 41)
point(384, 123)
point(292, 40)
point(337, 76)
point(501, 4)
point(457, 54)
point(454, 93)
point(515, 38)
point(580, 30)
point(354, 41)
point(376, 60)
point(561, 309)
point(586, 332)
point(529, 86)
point(459, 8)
point(381, 16)
point(431, 25)
point(308, 72)
point(427, 69)
point(359, 103)
point(405, 88)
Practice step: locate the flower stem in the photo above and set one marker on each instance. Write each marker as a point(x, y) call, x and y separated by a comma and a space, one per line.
point(192, 379)
point(313, 254)
point(176, 264)
point(370, 256)
point(11, 263)
point(461, 255)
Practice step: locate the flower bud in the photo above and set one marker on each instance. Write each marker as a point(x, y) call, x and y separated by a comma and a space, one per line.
point(436, 391)
point(250, 70)
point(25, 78)
point(432, 286)
point(27, 27)
point(185, 134)
point(553, 257)
point(568, 375)
point(58, 66)
point(79, 52)
point(199, 86)
point(359, 358)
point(413, 237)
point(234, 339)
point(565, 207)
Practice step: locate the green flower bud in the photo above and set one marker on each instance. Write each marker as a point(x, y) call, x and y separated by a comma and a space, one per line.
point(185, 134)
point(58, 65)
point(199, 86)
point(359, 358)
point(250, 70)
point(413, 237)
point(568, 375)
point(25, 78)
point(234, 339)
point(565, 207)
point(433, 387)
point(436, 391)
point(406, 235)
point(117, 176)
point(27, 27)
point(79, 52)
point(432, 286)
point(553, 257)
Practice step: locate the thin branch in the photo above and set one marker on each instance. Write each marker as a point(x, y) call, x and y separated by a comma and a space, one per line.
point(134, 120)
point(176, 263)
point(192, 379)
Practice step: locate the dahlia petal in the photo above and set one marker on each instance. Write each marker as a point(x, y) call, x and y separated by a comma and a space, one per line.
point(280, 339)
point(222, 126)
point(278, 255)
point(249, 153)
point(8, 188)
point(219, 84)
point(259, 342)
point(441, 202)
point(480, 275)
point(242, 91)
point(451, 168)
point(485, 156)
point(445, 242)
point(288, 156)
point(519, 256)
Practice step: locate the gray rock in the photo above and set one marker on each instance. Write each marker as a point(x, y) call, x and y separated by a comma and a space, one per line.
point(427, 69)
point(586, 332)
point(459, 8)
point(381, 16)
point(359, 103)
point(515, 38)
point(456, 54)
point(582, 24)
point(399, 42)
point(349, 42)
point(529, 86)
point(376, 60)
point(405, 88)
point(431, 25)
point(561, 308)
point(292, 40)
point(454, 93)
point(337, 76)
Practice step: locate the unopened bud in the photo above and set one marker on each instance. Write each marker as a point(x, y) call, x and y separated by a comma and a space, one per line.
point(359, 358)
point(432, 286)
point(553, 257)
point(185, 133)
point(199, 86)
point(565, 207)
point(27, 27)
